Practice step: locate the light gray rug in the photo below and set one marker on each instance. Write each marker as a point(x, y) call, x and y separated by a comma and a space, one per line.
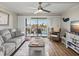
point(24, 50)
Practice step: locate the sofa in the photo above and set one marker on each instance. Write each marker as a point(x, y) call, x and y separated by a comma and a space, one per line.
point(10, 40)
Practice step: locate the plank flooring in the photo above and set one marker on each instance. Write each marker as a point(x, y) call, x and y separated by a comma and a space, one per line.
point(59, 49)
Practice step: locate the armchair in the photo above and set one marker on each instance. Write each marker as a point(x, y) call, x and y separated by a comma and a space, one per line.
point(54, 35)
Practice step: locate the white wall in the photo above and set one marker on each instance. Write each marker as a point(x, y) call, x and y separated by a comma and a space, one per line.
point(21, 23)
point(54, 21)
point(12, 19)
point(73, 14)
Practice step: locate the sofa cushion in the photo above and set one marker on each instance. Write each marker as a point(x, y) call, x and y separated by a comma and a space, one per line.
point(13, 32)
point(6, 34)
point(9, 47)
point(17, 40)
point(1, 40)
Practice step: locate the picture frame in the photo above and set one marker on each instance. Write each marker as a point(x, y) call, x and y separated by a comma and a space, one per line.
point(4, 18)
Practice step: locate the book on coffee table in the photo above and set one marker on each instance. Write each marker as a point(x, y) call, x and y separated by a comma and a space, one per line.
point(36, 43)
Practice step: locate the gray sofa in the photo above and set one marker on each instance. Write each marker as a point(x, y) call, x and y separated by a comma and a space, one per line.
point(10, 40)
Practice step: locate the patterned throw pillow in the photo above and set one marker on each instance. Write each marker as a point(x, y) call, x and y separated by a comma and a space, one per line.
point(6, 34)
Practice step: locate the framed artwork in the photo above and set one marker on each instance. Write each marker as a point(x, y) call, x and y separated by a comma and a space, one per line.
point(4, 18)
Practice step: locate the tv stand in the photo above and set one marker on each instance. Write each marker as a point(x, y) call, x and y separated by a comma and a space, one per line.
point(72, 41)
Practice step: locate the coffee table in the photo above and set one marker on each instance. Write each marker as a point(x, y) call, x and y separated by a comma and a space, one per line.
point(37, 47)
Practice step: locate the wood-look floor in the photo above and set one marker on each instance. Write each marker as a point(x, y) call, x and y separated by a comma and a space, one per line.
point(59, 49)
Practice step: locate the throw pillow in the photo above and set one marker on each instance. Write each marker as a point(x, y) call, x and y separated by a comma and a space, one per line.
point(6, 35)
point(18, 33)
point(13, 32)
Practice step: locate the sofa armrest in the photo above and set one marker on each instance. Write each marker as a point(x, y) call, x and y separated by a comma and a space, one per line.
point(2, 48)
point(2, 51)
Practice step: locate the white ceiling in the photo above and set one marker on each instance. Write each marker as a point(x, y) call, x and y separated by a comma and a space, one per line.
point(22, 8)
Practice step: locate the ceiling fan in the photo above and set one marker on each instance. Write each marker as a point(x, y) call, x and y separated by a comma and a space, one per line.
point(41, 9)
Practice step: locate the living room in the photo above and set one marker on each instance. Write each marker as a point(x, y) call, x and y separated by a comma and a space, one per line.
point(21, 23)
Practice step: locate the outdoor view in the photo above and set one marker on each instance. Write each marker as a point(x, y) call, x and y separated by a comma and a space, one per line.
point(37, 27)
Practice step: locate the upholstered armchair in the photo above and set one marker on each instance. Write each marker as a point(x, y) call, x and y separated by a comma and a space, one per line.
point(55, 34)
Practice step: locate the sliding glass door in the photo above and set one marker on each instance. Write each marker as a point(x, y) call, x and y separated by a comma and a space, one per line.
point(38, 27)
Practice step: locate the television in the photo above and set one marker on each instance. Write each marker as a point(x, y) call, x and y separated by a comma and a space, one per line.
point(75, 27)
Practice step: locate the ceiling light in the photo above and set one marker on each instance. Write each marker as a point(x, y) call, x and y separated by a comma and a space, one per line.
point(38, 11)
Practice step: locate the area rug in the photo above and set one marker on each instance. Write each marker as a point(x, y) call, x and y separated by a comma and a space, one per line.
point(24, 49)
